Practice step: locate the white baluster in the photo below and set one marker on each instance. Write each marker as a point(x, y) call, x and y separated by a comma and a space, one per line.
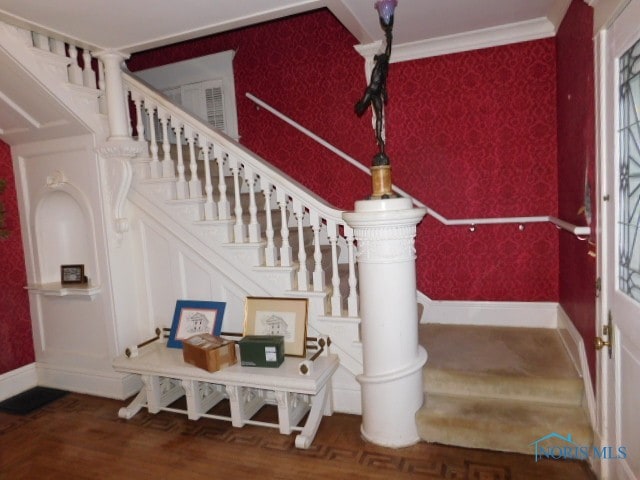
point(137, 102)
point(101, 86)
point(285, 248)
point(153, 142)
point(239, 233)
point(41, 41)
point(336, 298)
point(168, 168)
point(88, 75)
point(58, 47)
point(352, 300)
point(318, 272)
point(195, 186)
point(254, 226)
point(303, 274)
point(224, 207)
point(127, 114)
point(210, 212)
point(182, 189)
point(75, 72)
point(270, 253)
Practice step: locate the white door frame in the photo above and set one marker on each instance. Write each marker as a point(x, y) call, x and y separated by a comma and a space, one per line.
point(606, 109)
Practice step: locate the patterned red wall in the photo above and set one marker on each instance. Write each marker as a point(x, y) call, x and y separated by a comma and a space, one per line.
point(576, 158)
point(470, 134)
point(16, 342)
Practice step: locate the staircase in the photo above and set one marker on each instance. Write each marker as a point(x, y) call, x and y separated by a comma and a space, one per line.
point(276, 238)
point(279, 236)
point(499, 388)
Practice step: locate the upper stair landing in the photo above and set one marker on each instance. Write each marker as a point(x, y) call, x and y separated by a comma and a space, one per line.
point(50, 89)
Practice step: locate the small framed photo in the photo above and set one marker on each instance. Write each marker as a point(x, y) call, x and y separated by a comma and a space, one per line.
point(72, 274)
point(192, 317)
point(279, 316)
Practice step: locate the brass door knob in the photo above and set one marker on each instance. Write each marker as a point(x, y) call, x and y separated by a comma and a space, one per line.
point(600, 344)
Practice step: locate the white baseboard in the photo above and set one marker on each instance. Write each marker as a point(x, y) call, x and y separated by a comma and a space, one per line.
point(347, 397)
point(99, 383)
point(17, 381)
point(574, 344)
point(497, 314)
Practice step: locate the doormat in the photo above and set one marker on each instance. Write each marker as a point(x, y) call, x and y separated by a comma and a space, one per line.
point(30, 400)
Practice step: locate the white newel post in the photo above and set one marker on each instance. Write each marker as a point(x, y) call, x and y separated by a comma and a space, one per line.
point(116, 98)
point(391, 383)
point(119, 148)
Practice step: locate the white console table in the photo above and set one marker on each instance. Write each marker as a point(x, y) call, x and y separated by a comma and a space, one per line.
point(166, 378)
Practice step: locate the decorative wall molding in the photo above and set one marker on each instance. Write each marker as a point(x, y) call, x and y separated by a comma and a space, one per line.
point(463, 42)
point(395, 244)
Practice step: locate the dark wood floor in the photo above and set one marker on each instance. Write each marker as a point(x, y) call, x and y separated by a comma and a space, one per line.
point(81, 437)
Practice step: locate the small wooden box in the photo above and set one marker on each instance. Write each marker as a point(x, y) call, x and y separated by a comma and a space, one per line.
point(209, 352)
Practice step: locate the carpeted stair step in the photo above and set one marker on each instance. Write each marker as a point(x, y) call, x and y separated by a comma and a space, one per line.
point(500, 362)
point(503, 425)
point(499, 388)
point(557, 391)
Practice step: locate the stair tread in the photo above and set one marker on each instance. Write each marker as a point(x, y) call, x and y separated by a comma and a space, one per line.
point(504, 425)
point(501, 351)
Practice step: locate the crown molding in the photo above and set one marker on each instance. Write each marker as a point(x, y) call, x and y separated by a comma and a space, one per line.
point(488, 37)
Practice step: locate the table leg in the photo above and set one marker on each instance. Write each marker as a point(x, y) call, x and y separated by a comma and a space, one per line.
point(305, 438)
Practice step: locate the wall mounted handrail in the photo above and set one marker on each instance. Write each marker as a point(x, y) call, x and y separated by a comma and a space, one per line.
point(579, 231)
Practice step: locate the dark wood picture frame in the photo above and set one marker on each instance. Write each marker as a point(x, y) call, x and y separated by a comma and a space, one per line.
point(72, 275)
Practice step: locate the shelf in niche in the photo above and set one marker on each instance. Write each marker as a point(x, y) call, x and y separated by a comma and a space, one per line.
point(56, 289)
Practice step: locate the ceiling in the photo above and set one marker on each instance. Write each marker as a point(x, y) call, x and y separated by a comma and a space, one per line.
point(135, 25)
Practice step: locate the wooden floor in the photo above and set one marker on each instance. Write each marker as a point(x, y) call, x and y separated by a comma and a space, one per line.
point(81, 437)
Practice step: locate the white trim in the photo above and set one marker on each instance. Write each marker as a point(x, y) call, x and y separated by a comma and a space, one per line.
point(17, 381)
point(497, 314)
point(558, 11)
point(462, 42)
point(91, 382)
point(574, 344)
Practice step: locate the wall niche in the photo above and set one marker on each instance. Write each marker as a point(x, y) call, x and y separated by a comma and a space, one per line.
point(63, 224)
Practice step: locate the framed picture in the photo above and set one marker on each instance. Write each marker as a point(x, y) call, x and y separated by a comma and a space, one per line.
point(195, 316)
point(70, 274)
point(278, 316)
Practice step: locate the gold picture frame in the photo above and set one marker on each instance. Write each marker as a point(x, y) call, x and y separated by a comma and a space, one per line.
point(279, 316)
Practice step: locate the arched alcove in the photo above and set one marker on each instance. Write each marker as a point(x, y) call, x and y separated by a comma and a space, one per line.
point(63, 229)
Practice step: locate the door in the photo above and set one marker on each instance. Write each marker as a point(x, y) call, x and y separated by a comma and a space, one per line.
point(619, 49)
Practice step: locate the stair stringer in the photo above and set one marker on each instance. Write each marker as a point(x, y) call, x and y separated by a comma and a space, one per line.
point(199, 241)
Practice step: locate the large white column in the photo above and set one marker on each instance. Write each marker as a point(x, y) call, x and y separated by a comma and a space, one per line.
point(391, 383)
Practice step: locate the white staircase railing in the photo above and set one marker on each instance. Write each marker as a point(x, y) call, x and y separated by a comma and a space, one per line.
point(228, 178)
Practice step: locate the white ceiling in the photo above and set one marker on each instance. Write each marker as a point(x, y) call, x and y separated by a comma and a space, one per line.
point(136, 25)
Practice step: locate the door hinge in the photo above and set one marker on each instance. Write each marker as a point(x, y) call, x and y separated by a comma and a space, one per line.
point(598, 286)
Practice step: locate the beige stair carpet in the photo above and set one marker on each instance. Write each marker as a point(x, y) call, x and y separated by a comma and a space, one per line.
point(499, 388)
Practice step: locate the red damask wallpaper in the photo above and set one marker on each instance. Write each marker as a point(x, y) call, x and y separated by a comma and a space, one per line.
point(16, 342)
point(471, 135)
point(576, 160)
